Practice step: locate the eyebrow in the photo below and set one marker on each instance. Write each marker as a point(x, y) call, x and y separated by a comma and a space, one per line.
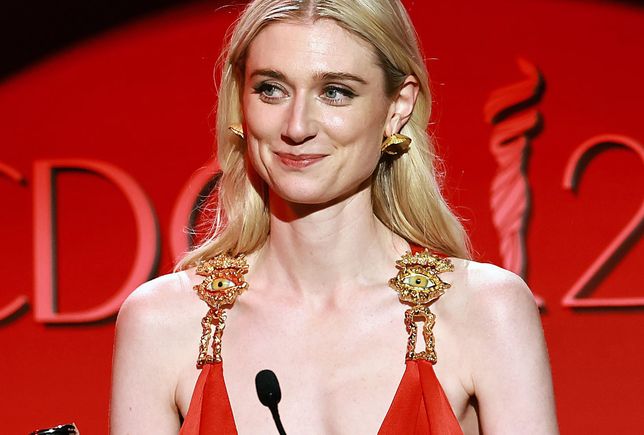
point(322, 76)
point(268, 73)
point(330, 76)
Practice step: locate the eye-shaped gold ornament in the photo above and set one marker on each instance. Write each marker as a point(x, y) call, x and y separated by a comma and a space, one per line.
point(418, 280)
point(418, 283)
point(220, 284)
point(224, 281)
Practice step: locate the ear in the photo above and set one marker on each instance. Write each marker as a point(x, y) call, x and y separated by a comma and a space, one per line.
point(402, 106)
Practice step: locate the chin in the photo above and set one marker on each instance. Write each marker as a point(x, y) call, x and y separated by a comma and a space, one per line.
point(314, 193)
point(302, 195)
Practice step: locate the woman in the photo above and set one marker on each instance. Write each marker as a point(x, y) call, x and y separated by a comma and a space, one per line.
point(322, 195)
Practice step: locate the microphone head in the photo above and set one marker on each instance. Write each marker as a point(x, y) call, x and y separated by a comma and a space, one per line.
point(268, 389)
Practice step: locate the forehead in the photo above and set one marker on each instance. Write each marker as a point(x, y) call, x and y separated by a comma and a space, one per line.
point(317, 46)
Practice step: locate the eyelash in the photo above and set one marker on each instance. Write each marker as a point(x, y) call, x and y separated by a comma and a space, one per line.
point(346, 93)
point(264, 87)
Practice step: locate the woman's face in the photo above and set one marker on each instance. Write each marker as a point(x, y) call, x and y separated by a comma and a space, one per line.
point(315, 110)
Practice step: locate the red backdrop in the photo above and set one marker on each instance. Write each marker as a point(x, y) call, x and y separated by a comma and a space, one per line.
point(128, 117)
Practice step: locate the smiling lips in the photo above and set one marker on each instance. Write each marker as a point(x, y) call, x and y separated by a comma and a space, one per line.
point(299, 161)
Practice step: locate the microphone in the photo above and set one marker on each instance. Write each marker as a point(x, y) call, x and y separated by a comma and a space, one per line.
point(269, 393)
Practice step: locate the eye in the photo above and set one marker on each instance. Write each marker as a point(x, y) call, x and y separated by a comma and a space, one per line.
point(332, 93)
point(221, 284)
point(418, 280)
point(337, 95)
point(269, 92)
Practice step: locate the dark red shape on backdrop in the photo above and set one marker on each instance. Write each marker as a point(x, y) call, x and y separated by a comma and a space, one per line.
point(515, 121)
point(19, 301)
point(45, 269)
point(618, 247)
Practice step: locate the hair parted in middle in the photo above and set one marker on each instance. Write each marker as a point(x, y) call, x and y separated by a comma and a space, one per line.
point(406, 194)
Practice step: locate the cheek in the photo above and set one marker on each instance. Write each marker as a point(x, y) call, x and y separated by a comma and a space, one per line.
point(263, 122)
point(252, 113)
point(254, 158)
point(362, 127)
point(253, 131)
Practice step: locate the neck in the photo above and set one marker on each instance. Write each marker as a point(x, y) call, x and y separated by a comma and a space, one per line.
point(317, 250)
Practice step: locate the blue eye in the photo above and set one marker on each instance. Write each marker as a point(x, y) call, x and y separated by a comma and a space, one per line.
point(335, 94)
point(331, 93)
point(269, 91)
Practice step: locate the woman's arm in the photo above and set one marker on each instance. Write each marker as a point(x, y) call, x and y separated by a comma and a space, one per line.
point(143, 383)
point(509, 360)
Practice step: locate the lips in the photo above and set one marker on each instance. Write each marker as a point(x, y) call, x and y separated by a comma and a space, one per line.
point(299, 161)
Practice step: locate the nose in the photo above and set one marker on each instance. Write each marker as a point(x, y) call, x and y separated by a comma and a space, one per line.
point(301, 125)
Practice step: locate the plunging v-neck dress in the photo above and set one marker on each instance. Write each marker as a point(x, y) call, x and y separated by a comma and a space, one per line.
point(419, 407)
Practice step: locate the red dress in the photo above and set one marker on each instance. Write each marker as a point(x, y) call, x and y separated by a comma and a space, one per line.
point(419, 407)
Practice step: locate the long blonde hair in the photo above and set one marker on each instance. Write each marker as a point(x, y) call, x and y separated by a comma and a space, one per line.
point(406, 195)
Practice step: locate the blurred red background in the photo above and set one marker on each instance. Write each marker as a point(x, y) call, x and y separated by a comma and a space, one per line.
point(140, 99)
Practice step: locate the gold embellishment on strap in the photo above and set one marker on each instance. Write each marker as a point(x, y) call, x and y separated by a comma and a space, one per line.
point(223, 282)
point(418, 283)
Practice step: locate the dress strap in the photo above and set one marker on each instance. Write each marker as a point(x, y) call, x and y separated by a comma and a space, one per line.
point(418, 284)
point(224, 281)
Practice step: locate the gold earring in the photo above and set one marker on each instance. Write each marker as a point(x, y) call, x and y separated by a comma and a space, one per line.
point(237, 130)
point(396, 145)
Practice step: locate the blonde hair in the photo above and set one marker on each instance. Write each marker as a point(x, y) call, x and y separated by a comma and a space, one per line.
point(406, 195)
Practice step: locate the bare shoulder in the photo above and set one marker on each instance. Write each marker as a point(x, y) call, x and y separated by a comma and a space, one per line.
point(160, 291)
point(153, 302)
point(151, 317)
point(489, 293)
point(491, 309)
point(157, 330)
point(159, 316)
point(503, 349)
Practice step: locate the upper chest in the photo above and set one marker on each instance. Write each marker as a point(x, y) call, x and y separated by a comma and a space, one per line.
point(338, 369)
